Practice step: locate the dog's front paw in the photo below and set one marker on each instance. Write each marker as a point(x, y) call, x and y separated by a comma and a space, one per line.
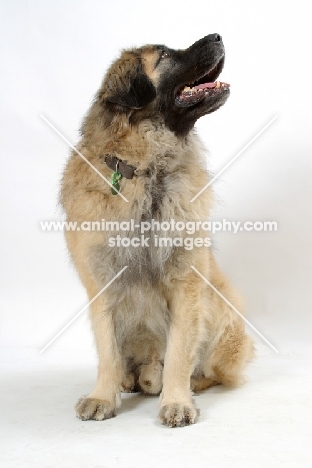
point(93, 408)
point(178, 415)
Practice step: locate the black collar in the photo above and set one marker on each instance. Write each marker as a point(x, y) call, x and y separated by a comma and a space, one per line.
point(118, 165)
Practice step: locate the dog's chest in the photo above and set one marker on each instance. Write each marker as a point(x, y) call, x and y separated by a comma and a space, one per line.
point(147, 248)
point(159, 198)
point(162, 188)
point(156, 191)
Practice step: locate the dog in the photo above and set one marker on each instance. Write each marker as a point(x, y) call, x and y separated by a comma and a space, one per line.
point(159, 327)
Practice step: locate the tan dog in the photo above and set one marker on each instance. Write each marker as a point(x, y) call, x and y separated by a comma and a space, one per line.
point(158, 327)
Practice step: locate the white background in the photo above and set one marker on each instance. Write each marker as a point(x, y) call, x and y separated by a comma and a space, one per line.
point(53, 57)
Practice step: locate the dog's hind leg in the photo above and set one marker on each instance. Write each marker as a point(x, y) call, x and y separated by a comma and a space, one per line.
point(198, 384)
point(150, 379)
point(228, 360)
point(234, 348)
point(128, 383)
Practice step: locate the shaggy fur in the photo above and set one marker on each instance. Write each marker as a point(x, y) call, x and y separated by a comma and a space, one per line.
point(158, 327)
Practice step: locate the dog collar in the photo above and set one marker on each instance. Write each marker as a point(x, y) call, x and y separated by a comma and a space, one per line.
point(117, 165)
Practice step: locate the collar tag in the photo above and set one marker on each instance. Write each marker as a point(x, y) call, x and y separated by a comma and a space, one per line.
point(115, 178)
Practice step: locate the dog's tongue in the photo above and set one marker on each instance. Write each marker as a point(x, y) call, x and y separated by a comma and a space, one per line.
point(208, 85)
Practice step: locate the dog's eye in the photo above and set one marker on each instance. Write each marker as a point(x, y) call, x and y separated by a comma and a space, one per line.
point(164, 54)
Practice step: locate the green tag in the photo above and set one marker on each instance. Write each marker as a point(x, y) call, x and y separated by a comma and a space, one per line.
point(115, 178)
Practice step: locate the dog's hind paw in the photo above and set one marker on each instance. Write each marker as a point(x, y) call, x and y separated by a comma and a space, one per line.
point(178, 415)
point(128, 383)
point(93, 408)
point(150, 379)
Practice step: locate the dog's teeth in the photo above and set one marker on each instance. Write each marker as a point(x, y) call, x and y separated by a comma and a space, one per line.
point(218, 84)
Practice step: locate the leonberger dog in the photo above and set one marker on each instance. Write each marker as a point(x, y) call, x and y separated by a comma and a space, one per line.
point(165, 324)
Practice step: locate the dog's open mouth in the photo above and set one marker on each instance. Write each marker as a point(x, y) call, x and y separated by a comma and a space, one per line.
point(205, 87)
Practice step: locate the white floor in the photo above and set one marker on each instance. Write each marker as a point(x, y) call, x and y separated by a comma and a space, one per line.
point(266, 423)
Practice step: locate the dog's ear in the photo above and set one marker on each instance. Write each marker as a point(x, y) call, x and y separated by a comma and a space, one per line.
point(128, 86)
point(136, 93)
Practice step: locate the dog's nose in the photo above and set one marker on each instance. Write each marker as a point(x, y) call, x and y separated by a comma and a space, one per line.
point(214, 37)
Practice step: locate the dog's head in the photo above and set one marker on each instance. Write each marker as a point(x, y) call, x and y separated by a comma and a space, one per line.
point(176, 86)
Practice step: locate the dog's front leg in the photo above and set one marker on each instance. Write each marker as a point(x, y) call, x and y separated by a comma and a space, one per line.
point(185, 304)
point(102, 402)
